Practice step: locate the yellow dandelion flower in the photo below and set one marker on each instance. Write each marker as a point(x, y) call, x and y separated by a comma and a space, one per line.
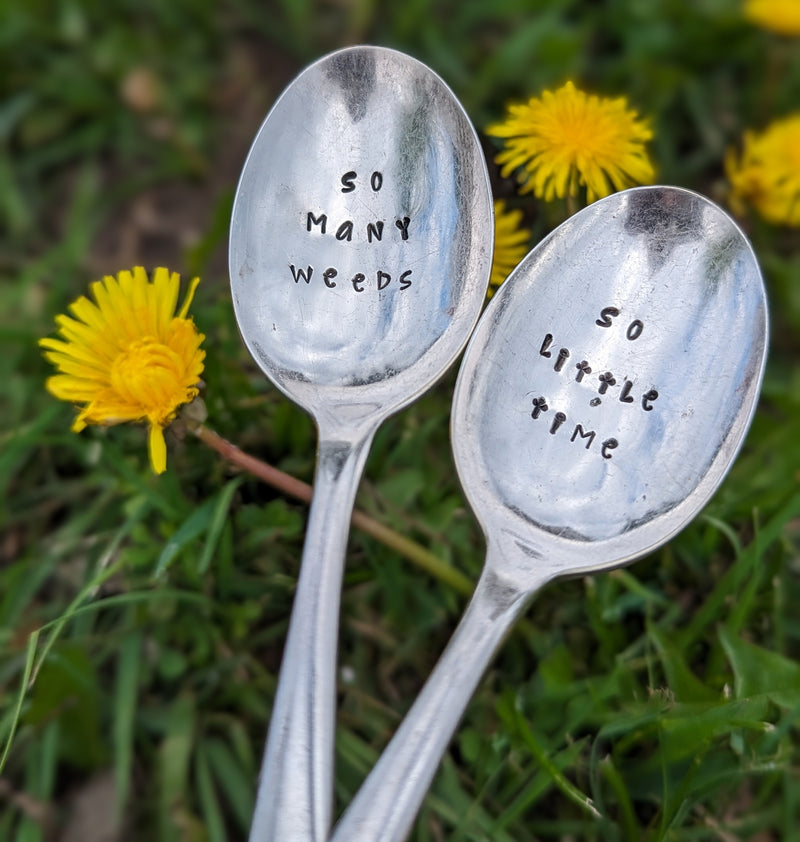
point(510, 244)
point(127, 356)
point(767, 173)
point(567, 139)
point(781, 16)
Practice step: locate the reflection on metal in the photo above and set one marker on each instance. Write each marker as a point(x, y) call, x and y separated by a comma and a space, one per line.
point(601, 400)
point(360, 253)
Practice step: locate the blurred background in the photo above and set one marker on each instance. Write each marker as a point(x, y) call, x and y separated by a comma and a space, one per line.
point(658, 702)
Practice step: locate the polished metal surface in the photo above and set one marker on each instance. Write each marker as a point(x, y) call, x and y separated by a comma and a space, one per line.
point(360, 252)
point(601, 400)
point(361, 236)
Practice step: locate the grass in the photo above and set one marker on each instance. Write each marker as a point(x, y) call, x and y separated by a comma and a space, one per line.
point(142, 619)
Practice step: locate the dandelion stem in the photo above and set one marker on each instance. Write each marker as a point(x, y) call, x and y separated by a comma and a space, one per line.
point(572, 205)
point(300, 490)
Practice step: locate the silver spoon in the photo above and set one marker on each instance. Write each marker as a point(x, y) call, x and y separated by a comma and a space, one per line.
point(360, 252)
point(601, 400)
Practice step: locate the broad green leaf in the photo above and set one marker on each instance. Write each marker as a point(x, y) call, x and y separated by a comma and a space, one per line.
point(686, 727)
point(759, 671)
point(402, 487)
point(556, 669)
point(194, 526)
point(683, 683)
point(234, 782)
point(68, 687)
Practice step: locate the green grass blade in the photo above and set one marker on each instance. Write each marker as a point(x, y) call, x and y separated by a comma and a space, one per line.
point(125, 700)
point(556, 775)
point(223, 503)
point(736, 576)
point(174, 757)
point(237, 786)
point(30, 657)
point(194, 526)
point(209, 803)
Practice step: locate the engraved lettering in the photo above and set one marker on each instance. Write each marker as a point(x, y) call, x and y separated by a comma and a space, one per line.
point(606, 380)
point(609, 444)
point(321, 220)
point(345, 231)
point(580, 432)
point(548, 341)
point(402, 224)
point(648, 398)
point(349, 229)
point(563, 355)
point(605, 316)
point(635, 329)
point(299, 273)
point(539, 406)
point(583, 369)
point(625, 394)
point(559, 419)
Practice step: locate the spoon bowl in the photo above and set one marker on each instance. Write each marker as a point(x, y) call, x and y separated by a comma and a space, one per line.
point(610, 384)
point(360, 253)
point(361, 235)
point(601, 400)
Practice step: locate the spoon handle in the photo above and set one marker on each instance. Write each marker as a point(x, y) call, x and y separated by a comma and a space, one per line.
point(387, 803)
point(295, 791)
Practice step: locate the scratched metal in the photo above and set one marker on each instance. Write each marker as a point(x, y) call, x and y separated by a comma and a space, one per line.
point(641, 326)
point(601, 400)
point(360, 253)
point(366, 143)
